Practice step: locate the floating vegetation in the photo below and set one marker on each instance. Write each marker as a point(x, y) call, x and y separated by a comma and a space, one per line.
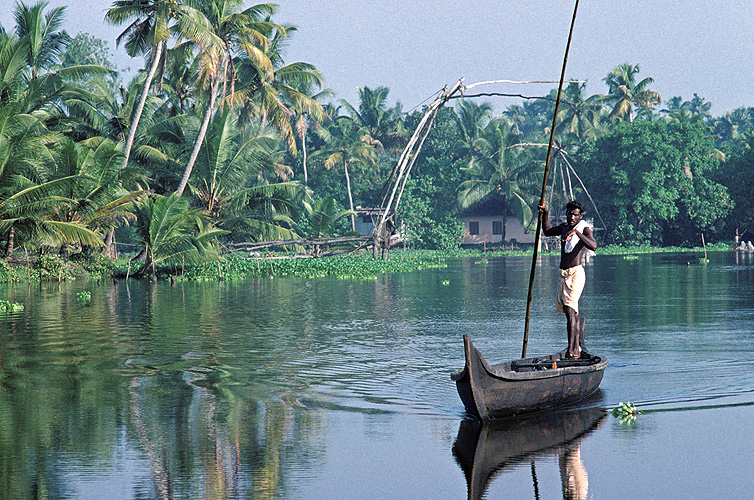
point(482, 262)
point(357, 267)
point(630, 257)
point(704, 260)
point(85, 296)
point(445, 282)
point(7, 306)
point(626, 412)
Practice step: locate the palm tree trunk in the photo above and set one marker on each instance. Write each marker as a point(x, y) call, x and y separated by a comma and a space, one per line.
point(199, 137)
point(350, 196)
point(142, 100)
point(110, 251)
point(303, 149)
point(10, 243)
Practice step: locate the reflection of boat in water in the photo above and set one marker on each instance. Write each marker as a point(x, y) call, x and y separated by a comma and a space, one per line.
point(525, 385)
point(483, 449)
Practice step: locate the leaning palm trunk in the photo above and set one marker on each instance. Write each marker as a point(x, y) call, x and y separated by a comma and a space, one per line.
point(10, 243)
point(303, 150)
point(350, 196)
point(199, 138)
point(110, 251)
point(142, 101)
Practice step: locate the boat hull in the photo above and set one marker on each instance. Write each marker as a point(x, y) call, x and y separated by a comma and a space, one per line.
point(526, 385)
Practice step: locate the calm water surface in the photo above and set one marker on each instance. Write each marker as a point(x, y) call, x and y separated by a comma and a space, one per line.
point(327, 388)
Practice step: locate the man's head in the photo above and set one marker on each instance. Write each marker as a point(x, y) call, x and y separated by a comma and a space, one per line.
point(574, 212)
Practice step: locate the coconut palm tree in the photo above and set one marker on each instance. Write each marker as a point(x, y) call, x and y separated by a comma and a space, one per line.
point(233, 174)
point(44, 41)
point(471, 118)
point(302, 120)
point(169, 231)
point(499, 165)
point(625, 93)
point(579, 116)
point(323, 217)
point(346, 145)
point(231, 33)
point(301, 89)
point(276, 97)
point(382, 123)
point(148, 33)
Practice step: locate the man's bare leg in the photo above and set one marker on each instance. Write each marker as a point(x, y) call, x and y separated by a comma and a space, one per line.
point(572, 326)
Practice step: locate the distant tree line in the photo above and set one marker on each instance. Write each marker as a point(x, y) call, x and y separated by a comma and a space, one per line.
point(218, 140)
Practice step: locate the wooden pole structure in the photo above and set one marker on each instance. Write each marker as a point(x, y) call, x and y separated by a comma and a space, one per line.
point(399, 176)
point(544, 185)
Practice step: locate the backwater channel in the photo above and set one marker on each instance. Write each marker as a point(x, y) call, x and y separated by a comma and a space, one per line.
point(286, 388)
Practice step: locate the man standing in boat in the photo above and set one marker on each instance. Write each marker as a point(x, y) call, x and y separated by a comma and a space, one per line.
point(575, 237)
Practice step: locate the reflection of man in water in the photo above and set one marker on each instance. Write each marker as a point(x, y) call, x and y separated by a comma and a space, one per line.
point(572, 473)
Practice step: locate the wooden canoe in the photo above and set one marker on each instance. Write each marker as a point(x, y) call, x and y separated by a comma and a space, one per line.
point(525, 385)
point(485, 449)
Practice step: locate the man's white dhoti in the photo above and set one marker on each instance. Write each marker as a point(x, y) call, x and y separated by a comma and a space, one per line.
point(571, 285)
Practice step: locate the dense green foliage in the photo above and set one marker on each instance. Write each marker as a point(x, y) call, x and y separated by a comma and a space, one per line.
point(658, 175)
point(244, 148)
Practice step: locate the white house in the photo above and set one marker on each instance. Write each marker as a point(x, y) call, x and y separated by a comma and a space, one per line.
point(490, 222)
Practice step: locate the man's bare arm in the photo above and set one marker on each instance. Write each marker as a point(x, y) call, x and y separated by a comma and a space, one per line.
point(587, 237)
point(547, 228)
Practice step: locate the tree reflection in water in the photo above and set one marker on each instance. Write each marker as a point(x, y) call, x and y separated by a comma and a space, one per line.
point(197, 430)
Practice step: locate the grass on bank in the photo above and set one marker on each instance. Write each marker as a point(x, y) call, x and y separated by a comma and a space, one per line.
point(239, 266)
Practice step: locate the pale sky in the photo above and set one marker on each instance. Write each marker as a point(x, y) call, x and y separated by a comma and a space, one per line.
point(416, 48)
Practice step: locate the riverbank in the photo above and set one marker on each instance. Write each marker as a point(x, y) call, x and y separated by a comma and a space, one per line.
point(241, 266)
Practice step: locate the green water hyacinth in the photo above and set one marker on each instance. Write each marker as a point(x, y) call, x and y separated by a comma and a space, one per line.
point(7, 306)
point(626, 412)
point(85, 296)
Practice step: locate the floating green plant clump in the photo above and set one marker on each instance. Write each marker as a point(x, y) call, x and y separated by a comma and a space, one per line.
point(626, 412)
point(7, 306)
point(85, 296)
point(341, 267)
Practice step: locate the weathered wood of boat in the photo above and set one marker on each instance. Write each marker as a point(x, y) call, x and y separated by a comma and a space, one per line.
point(525, 385)
point(485, 449)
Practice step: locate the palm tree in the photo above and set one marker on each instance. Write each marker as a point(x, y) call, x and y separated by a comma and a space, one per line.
point(24, 143)
point(579, 116)
point(96, 197)
point(30, 215)
point(499, 165)
point(279, 95)
point(169, 231)
point(323, 217)
point(699, 107)
point(44, 42)
point(346, 144)
point(233, 188)
point(383, 124)
point(148, 33)
point(471, 119)
point(231, 33)
point(732, 125)
point(624, 93)
point(302, 120)
point(181, 73)
point(301, 88)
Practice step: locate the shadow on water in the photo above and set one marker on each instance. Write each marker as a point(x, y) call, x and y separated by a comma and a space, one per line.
point(485, 449)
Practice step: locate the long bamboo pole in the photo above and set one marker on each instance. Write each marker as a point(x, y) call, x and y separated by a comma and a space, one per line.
point(544, 184)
